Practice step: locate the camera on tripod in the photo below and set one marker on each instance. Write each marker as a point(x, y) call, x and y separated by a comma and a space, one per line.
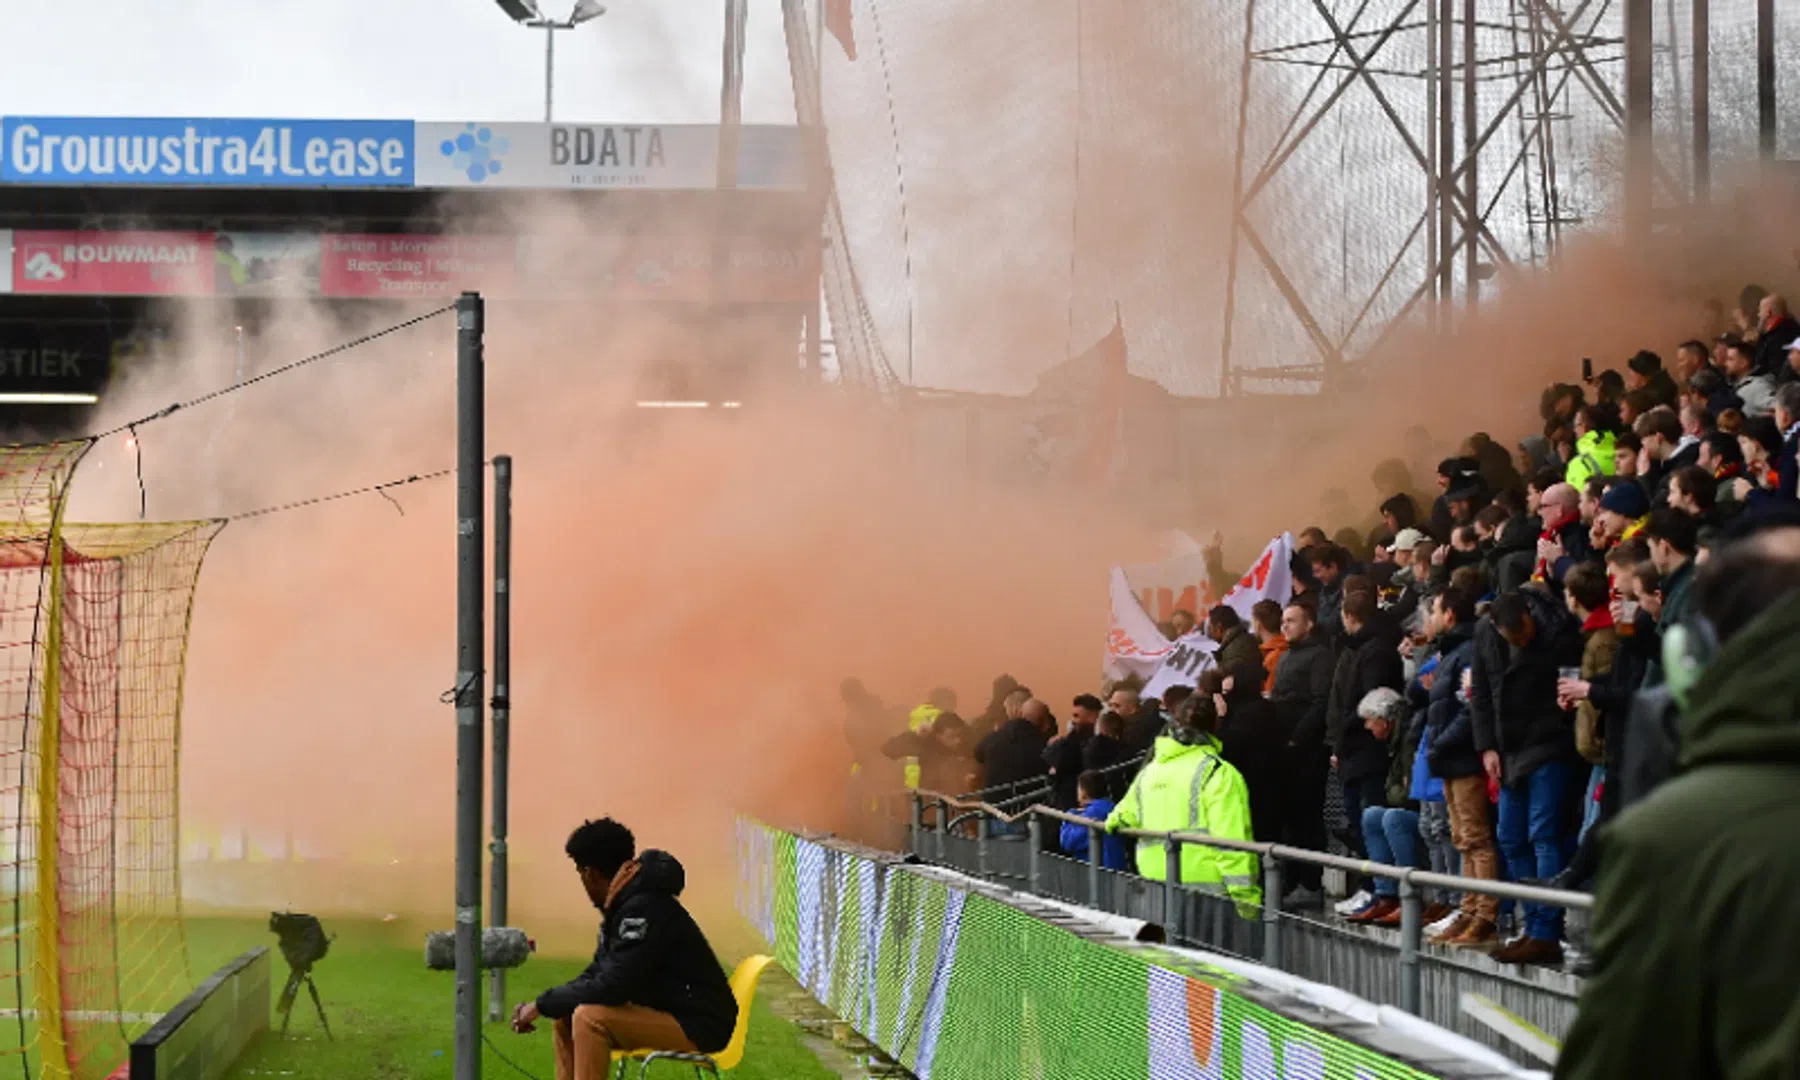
point(303, 943)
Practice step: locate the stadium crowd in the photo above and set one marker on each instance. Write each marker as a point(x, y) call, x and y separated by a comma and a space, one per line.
point(1480, 678)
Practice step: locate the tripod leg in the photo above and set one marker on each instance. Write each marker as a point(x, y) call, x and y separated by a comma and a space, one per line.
point(313, 989)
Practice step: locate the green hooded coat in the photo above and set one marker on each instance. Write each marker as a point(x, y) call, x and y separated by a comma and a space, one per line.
point(1696, 943)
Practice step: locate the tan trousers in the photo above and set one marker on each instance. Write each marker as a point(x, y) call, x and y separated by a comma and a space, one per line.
point(585, 1043)
point(1473, 834)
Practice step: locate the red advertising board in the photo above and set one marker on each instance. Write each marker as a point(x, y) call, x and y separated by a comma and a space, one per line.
point(116, 263)
point(401, 266)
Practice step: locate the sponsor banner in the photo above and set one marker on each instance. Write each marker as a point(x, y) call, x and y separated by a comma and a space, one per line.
point(675, 269)
point(266, 264)
point(113, 263)
point(85, 151)
point(659, 157)
point(401, 266)
point(1135, 646)
point(47, 358)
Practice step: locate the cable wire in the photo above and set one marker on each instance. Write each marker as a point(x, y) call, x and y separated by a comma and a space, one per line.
point(515, 1066)
point(335, 350)
point(380, 489)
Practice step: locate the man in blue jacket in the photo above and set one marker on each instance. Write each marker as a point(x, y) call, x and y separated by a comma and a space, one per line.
point(1095, 806)
point(1451, 755)
point(654, 983)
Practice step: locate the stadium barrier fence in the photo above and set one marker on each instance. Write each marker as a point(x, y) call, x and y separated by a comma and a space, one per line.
point(1461, 990)
point(206, 1034)
point(954, 977)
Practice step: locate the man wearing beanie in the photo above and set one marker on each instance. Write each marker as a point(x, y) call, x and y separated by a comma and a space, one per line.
point(1645, 372)
point(1624, 512)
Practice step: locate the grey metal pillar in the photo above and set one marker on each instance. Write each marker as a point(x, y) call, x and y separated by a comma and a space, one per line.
point(943, 829)
point(502, 719)
point(1272, 912)
point(1765, 78)
point(1095, 838)
point(1702, 76)
point(1412, 935)
point(917, 844)
point(1172, 888)
point(1639, 88)
point(1447, 235)
point(471, 439)
point(1237, 201)
point(549, 70)
point(1471, 174)
point(1034, 830)
point(1433, 159)
point(731, 92)
point(981, 847)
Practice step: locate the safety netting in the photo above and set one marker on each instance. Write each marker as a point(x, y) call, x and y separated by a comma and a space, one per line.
point(1254, 189)
point(953, 983)
point(93, 638)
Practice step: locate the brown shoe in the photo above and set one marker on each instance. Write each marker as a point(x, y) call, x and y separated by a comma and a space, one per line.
point(1380, 909)
point(1480, 934)
point(1435, 912)
point(1454, 930)
point(1528, 950)
point(1391, 919)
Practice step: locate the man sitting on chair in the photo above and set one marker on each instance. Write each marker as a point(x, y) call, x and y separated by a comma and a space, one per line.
point(654, 983)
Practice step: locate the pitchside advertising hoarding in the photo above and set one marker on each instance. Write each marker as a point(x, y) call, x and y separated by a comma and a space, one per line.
point(353, 154)
point(675, 269)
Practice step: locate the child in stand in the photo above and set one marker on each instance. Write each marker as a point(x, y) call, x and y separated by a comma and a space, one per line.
point(1090, 788)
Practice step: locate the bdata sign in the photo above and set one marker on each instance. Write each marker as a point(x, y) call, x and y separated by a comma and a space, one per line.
point(82, 151)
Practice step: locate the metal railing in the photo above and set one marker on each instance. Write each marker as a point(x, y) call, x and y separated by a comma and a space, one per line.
point(1195, 914)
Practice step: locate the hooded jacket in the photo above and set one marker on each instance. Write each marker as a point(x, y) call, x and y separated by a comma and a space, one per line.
point(1449, 735)
point(652, 954)
point(1593, 457)
point(1693, 931)
point(1253, 739)
point(1239, 648)
point(1303, 689)
point(1512, 701)
point(1370, 659)
point(1190, 788)
point(1514, 554)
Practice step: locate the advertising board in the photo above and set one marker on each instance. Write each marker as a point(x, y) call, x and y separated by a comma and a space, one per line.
point(659, 157)
point(112, 263)
point(82, 151)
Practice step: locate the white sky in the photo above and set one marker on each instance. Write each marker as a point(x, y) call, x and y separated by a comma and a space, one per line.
point(648, 60)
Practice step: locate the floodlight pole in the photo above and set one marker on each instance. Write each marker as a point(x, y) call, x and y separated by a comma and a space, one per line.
point(502, 715)
point(467, 695)
point(550, 30)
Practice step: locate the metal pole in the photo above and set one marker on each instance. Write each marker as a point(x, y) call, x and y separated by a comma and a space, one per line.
point(1095, 838)
point(1446, 272)
point(918, 824)
point(1034, 828)
point(1765, 78)
point(502, 717)
point(1471, 152)
point(1702, 33)
point(1172, 887)
point(470, 449)
point(1272, 912)
point(1639, 87)
point(981, 846)
point(1237, 200)
point(1412, 935)
point(943, 828)
point(1433, 159)
point(549, 69)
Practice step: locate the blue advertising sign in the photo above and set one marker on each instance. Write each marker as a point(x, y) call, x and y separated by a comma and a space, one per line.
point(80, 151)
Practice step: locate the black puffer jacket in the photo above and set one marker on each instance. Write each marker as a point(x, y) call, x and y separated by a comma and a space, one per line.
point(1303, 690)
point(1012, 755)
point(1369, 660)
point(1514, 555)
point(1512, 702)
point(652, 954)
point(1449, 736)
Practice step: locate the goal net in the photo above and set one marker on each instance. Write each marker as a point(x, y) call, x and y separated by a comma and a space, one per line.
point(93, 639)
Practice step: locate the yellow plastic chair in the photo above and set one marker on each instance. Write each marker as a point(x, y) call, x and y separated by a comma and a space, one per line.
point(743, 988)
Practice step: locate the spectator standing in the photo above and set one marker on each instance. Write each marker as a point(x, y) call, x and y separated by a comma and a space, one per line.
point(1012, 758)
point(1265, 618)
point(1188, 786)
point(1623, 514)
point(1066, 753)
point(1778, 330)
point(1095, 805)
point(1452, 757)
point(1693, 933)
point(1252, 740)
point(941, 749)
point(1301, 697)
point(1368, 660)
point(1237, 648)
point(1527, 746)
point(1595, 428)
point(1329, 565)
point(1589, 598)
point(1142, 723)
point(997, 711)
point(1674, 539)
point(1106, 754)
point(1755, 391)
point(1666, 449)
point(1787, 419)
point(1644, 372)
point(1563, 541)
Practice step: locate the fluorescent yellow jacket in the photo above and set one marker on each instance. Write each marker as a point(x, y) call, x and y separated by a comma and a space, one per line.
point(1192, 789)
point(1593, 457)
point(916, 721)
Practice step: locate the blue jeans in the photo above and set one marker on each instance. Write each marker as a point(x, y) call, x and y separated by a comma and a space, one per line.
point(1391, 837)
point(1532, 841)
point(1590, 806)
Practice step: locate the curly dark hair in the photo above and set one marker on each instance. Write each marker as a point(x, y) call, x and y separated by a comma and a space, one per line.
point(602, 846)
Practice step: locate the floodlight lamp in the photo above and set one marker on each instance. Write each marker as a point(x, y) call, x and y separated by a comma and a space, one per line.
point(521, 10)
point(585, 10)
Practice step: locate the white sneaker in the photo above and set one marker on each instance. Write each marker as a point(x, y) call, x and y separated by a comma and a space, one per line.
point(1443, 924)
point(1354, 904)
